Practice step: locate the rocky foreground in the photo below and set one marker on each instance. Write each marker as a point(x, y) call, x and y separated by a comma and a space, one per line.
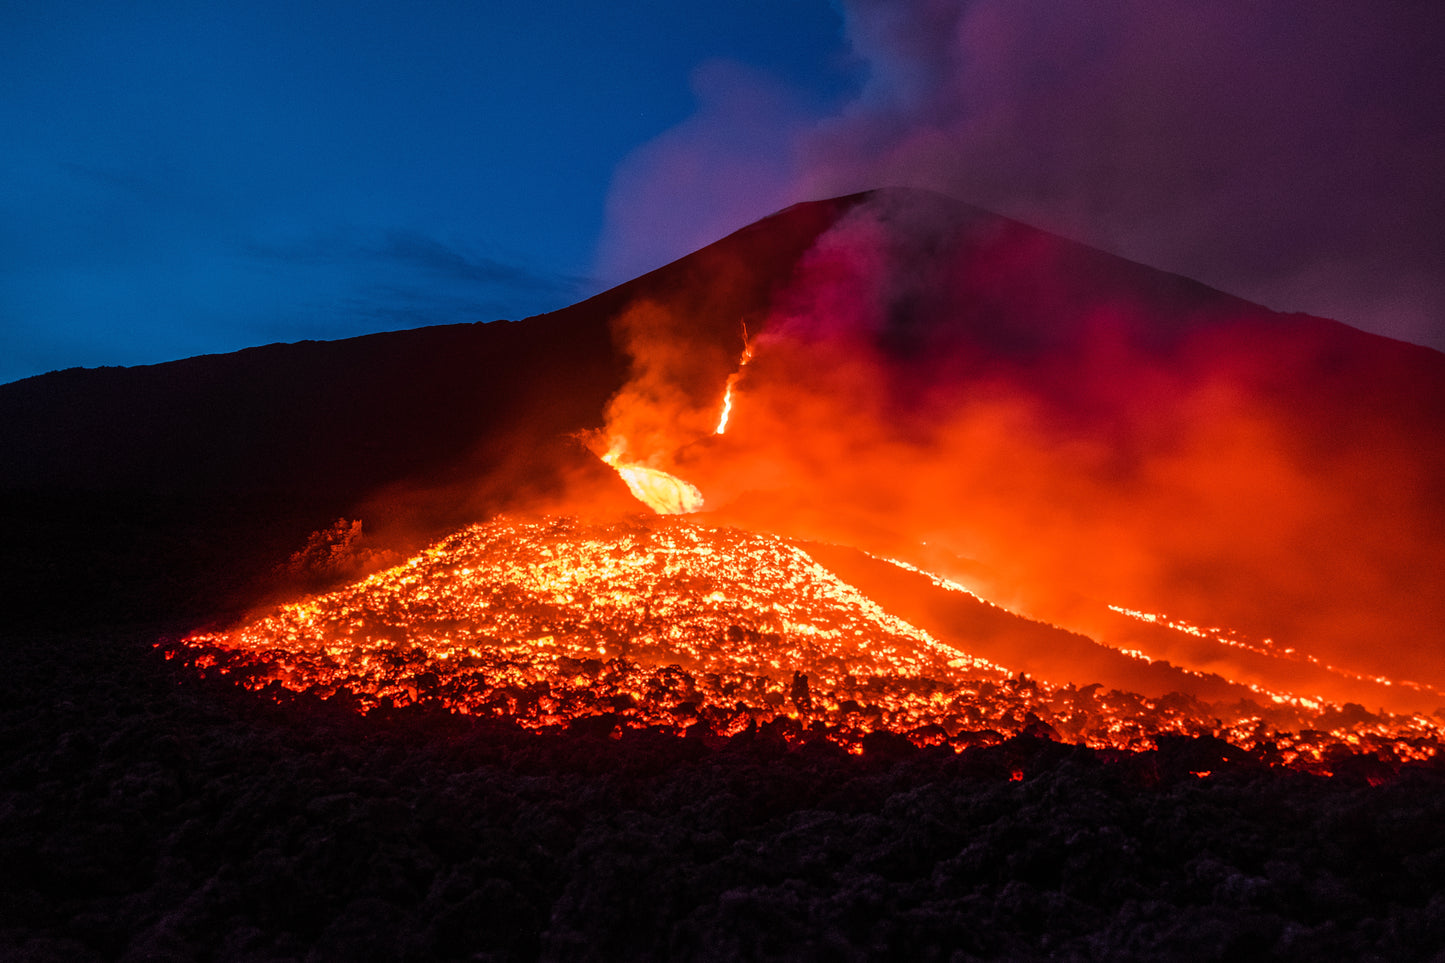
point(146, 814)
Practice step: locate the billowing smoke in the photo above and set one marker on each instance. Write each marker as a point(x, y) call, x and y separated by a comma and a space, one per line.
point(669, 397)
point(1287, 152)
point(715, 172)
point(1065, 429)
point(1068, 428)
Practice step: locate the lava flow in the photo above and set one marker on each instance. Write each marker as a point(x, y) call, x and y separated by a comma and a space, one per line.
point(916, 424)
point(708, 631)
point(664, 493)
point(727, 404)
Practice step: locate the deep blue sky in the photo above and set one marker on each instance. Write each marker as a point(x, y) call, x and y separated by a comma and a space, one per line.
point(187, 177)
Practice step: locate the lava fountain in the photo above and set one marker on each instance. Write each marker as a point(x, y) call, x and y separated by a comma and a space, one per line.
point(727, 404)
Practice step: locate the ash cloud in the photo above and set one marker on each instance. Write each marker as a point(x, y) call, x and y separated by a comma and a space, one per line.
point(1289, 153)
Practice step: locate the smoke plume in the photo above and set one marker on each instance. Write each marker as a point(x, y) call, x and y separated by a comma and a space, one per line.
point(1289, 153)
point(1064, 429)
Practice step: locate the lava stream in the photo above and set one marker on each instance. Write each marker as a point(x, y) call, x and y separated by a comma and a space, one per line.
point(727, 405)
point(664, 493)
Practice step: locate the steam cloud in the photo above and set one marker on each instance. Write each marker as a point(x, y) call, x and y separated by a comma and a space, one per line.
point(671, 392)
point(1289, 152)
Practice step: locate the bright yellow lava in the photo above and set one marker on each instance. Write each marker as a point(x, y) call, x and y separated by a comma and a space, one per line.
point(727, 405)
point(664, 493)
point(727, 408)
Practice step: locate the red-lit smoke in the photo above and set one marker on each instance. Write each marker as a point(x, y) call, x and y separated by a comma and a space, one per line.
point(1066, 430)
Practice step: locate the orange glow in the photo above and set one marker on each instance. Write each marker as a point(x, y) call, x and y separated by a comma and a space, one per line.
point(960, 485)
point(1070, 449)
point(664, 493)
point(673, 624)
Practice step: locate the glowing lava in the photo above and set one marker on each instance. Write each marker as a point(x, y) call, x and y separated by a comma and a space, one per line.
point(727, 405)
point(664, 493)
point(671, 624)
point(727, 408)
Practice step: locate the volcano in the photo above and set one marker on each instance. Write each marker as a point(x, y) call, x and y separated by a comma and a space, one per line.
point(1249, 501)
point(879, 471)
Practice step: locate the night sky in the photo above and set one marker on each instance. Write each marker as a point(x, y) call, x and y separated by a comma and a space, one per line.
point(179, 178)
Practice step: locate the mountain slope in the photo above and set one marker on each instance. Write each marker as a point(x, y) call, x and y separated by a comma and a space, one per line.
point(1071, 430)
point(1086, 432)
point(990, 422)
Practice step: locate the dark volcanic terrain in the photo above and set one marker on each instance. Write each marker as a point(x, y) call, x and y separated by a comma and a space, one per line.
point(148, 816)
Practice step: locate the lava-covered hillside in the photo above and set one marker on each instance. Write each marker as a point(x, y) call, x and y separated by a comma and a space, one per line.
point(683, 628)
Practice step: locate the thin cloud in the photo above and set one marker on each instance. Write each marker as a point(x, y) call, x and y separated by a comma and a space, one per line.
point(427, 253)
point(408, 252)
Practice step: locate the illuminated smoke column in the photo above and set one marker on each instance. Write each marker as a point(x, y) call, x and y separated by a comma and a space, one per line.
point(1287, 152)
point(1075, 431)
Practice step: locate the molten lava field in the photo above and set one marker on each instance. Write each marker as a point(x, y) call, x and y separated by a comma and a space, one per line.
point(700, 631)
point(660, 739)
